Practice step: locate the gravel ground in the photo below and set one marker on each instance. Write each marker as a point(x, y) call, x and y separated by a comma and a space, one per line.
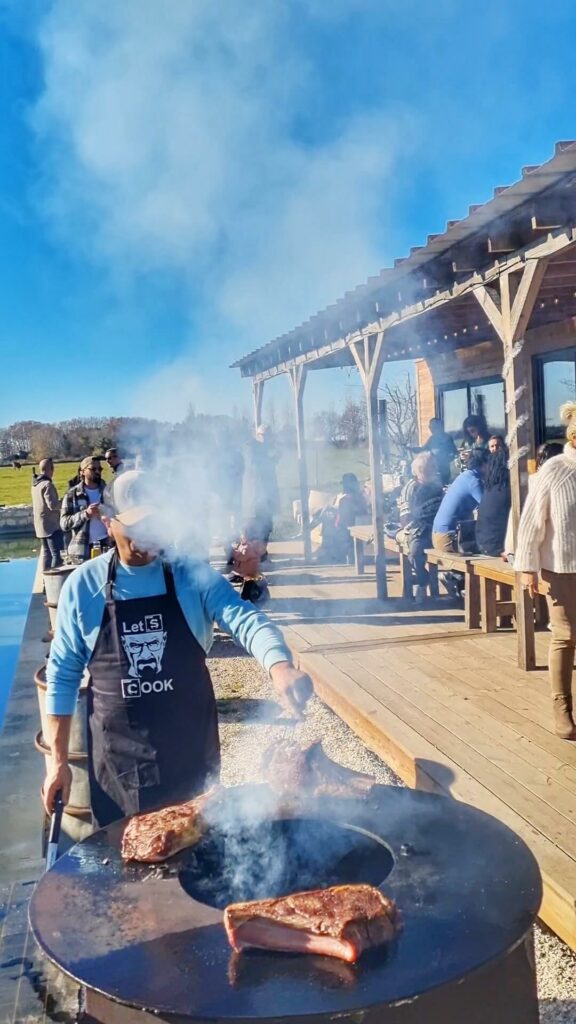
point(249, 722)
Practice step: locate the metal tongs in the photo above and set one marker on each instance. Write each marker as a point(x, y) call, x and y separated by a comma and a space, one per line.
point(54, 834)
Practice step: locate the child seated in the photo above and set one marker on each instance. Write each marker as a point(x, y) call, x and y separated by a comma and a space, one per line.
point(246, 556)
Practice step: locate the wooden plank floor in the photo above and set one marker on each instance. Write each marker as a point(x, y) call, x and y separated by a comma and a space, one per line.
point(446, 707)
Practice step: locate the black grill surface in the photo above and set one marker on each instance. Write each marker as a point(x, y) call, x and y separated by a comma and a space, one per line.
point(152, 936)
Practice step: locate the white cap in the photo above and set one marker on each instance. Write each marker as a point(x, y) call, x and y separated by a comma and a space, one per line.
point(129, 493)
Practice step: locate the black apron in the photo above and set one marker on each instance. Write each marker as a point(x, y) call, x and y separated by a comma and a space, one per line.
point(152, 719)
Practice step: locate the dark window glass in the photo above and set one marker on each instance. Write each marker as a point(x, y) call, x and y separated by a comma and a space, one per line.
point(558, 386)
point(485, 398)
point(455, 410)
point(488, 400)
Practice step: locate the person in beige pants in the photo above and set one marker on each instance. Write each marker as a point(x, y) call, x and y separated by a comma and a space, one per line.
point(547, 546)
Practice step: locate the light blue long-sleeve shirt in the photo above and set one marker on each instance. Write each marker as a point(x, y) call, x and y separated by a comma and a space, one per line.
point(204, 595)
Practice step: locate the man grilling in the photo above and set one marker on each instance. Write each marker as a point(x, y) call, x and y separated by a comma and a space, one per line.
point(143, 626)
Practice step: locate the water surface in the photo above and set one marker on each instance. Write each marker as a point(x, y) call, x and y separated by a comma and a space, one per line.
point(16, 579)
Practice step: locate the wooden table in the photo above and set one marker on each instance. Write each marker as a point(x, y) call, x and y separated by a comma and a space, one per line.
point(363, 534)
point(453, 561)
point(493, 573)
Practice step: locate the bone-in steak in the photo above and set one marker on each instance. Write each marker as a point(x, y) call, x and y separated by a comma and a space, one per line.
point(289, 768)
point(342, 921)
point(156, 835)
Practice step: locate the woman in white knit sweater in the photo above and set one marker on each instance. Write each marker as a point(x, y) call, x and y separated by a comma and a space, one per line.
point(547, 545)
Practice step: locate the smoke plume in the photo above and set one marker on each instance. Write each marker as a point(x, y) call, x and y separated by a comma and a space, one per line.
point(182, 141)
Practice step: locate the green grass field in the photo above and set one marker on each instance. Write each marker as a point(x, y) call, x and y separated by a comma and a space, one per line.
point(15, 484)
point(325, 468)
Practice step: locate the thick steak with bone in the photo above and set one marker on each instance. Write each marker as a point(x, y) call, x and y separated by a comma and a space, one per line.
point(289, 768)
point(156, 835)
point(342, 921)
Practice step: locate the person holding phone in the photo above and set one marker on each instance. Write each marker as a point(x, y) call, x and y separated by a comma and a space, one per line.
point(80, 513)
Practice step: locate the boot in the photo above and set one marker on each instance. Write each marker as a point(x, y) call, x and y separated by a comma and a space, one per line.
point(563, 722)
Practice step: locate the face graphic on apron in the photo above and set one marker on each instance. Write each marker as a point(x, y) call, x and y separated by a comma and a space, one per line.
point(153, 728)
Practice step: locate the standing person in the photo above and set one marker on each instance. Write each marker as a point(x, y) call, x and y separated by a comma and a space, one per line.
point(80, 514)
point(547, 546)
point(144, 627)
point(460, 501)
point(548, 450)
point(418, 504)
point(114, 460)
point(441, 445)
point(262, 499)
point(46, 508)
point(116, 465)
point(494, 508)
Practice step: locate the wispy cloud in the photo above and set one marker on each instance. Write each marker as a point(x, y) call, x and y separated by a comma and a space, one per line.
point(169, 137)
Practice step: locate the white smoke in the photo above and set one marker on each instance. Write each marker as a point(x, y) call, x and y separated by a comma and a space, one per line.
point(169, 137)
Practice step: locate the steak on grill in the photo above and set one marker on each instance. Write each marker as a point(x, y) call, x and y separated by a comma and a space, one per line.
point(342, 921)
point(289, 768)
point(156, 835)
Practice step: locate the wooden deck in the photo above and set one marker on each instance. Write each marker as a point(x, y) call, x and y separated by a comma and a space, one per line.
point(448, 708)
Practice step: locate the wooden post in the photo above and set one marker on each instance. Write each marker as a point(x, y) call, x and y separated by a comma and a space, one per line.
point(298, 380)
point(368, 355)
point(258, 394)
point(509, 312)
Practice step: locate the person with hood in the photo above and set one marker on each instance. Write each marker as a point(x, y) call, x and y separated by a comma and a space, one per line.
point(547, 547)
point(46, 509)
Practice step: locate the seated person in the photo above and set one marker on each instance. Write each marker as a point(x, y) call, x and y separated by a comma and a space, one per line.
point(494, 507)
point(418, 504)
point(442, 447)
point(460, 501)
point(476, 435)
point(335, 519)
point(496, 443)
point(246, 557)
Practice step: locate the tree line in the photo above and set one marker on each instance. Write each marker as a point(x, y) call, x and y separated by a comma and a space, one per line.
point(68, 440)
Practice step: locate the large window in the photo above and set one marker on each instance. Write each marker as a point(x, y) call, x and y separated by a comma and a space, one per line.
point(479, 398)
point(554, 383)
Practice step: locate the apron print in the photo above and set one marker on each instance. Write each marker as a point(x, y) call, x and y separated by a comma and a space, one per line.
point(144, 643)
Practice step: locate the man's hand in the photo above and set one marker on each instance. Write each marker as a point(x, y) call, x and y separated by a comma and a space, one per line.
point(93, 510)
point(529, 582)
point(58, 776)
point(293, 687)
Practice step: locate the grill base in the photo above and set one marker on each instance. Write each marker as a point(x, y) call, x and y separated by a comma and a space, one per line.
point(503, 992)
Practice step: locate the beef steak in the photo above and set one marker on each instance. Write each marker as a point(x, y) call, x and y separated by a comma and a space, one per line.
point(342, 921)
point(156, 835)
point(289, 768)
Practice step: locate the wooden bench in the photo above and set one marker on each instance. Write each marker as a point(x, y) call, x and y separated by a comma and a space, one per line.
point(494, 574)
point(363, 534)
point(453, 561)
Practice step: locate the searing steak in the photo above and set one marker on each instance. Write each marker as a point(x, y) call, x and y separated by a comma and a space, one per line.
point(342, 921)
point(289, 768)
point(156, 835)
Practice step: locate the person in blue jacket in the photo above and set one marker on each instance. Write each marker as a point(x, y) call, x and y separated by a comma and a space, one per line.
point(460, 501)
point(143, 626)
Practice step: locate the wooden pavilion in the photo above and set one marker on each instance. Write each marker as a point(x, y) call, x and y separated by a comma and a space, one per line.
point(486, 308)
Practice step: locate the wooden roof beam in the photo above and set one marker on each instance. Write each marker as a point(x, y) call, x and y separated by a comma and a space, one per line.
point(553, 212)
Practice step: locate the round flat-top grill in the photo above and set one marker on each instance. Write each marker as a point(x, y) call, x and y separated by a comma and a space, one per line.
point(151, 936)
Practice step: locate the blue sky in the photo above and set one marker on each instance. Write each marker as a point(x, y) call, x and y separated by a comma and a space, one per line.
point(181, 182)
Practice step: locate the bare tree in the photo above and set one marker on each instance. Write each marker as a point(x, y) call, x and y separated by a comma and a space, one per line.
point(401, 416)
